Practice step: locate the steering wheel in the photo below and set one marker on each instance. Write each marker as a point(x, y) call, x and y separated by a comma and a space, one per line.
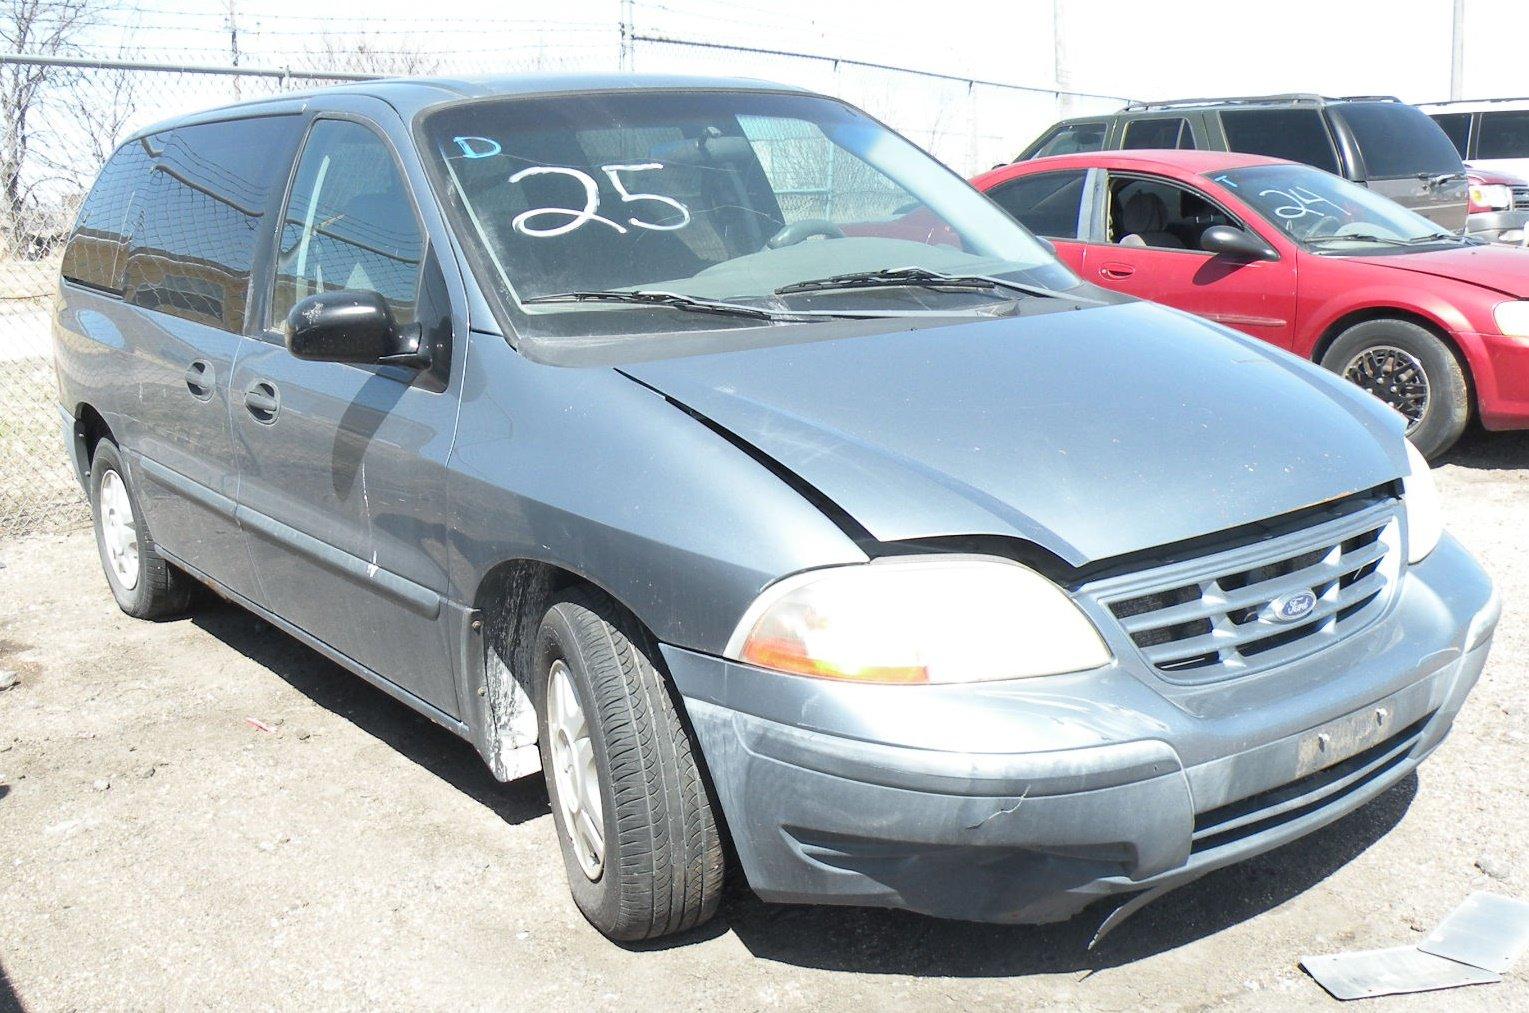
point(1327, 225)
point(804, 229)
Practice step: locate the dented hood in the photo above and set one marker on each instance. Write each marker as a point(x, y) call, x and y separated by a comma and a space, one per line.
point(1093, 433)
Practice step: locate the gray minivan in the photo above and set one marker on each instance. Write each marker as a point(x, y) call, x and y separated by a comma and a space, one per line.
point(711, 449)
point(1377, 141)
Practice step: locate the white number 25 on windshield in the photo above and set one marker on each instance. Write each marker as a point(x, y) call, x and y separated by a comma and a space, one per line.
point(573, 218)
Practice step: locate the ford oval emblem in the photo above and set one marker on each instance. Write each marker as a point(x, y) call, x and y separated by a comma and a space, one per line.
point(1291, 608)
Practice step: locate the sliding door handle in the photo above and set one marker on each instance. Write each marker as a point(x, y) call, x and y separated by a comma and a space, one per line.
point(199, 379)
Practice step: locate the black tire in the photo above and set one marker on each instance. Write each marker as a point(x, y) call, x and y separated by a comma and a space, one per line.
point(663, 857)
point(160, 589)
point(1448, 406)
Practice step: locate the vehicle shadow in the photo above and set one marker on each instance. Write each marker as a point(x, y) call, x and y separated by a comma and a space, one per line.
point(338, 691)
point(1488, 451)
point(874, 941)
point(10, 1002)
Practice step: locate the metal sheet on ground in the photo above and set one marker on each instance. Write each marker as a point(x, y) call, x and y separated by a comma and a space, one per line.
point(1364, 974)
point(1487, 930)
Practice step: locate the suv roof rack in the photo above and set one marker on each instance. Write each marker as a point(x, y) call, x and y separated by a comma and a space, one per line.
point(1248, 100)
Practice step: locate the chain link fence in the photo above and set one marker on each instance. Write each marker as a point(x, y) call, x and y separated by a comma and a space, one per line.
point(77, 111)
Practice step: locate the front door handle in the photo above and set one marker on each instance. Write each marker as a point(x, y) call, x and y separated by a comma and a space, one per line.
point(1116, 270)
point(199, 379)
point(263, 401)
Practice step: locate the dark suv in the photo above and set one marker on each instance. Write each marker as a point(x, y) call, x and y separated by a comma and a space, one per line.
point(1377, 141)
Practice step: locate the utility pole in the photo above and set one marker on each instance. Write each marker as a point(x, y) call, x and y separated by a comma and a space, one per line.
point(231, 22)
point(1457, 54)
point(626, 35)
point(1060, 73)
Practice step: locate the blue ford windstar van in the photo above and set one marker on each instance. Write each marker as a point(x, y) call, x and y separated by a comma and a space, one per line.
point(712, 449)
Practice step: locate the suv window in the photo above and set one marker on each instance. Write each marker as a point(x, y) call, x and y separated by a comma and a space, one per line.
point(197, 217)
point(1297, 134)
point(1048, 203)
point(1457, 127)
point(1157, 213)
point(93, 256)
point(1398, 140)
point(1503, 134)
point(1071, 138)
point(349, 223)
point(1158, 132)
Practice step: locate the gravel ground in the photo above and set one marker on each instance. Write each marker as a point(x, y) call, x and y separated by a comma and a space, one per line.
point(205, 813)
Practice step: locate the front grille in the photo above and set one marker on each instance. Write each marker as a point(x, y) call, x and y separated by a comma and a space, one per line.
point(1521, 198)
point(1214, 618)
point(1237, 820)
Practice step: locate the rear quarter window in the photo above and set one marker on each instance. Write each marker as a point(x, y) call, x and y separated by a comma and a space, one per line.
point(198, 217)
point(93, 255)
point(1457, 127)
point(1398, 140)
point(1048, 203)
point(1297, 134)
point(1503, 134)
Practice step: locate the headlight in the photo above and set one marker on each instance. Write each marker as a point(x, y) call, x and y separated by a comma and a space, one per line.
point(918, 619)
point(1425, 515)
point(1513, 318)
point(1490, 197)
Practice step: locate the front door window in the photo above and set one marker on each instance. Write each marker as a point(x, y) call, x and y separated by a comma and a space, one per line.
point(349, 223)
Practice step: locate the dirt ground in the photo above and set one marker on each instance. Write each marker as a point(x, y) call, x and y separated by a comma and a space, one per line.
point(204, 813)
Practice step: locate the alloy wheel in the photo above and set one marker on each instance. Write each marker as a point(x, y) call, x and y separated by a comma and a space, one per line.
point(573, 768)
point(1396, 377)
point(119, 529)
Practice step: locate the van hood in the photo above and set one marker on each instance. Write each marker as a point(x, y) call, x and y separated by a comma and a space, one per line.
point(1503, 269)
point(1093, 433)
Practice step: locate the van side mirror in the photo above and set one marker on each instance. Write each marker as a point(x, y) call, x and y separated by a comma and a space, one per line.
point(352, 326)
point(1228, 241)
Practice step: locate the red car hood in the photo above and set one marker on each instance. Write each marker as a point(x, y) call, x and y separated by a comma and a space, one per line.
point(1503, 268)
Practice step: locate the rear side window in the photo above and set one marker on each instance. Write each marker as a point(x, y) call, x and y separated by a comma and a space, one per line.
point(1503, 135)
point(94, 254)
point(1398, 140)
point(1296, 134)
point(1071, 138)
point(1172, 132)
point(1048, 203)
point(1457, 127)
point(198, 215)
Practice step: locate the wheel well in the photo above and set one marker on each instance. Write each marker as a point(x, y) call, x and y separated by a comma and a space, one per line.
point(1337, 327)
point(89, 429)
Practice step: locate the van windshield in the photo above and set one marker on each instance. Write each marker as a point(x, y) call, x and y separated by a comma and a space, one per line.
point(1328, 214)
point(708, 197)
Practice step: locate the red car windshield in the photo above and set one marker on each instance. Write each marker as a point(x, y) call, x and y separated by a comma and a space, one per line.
point(1326, 213)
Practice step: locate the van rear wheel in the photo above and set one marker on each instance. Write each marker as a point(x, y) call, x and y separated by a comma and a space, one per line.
point(634, 815)
point(1412, 370)
point(144, 584)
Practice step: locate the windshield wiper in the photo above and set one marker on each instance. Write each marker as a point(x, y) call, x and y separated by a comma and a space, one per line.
point(1359, 237)
point(674, 300)
point(1440, 237)
point(918, 277)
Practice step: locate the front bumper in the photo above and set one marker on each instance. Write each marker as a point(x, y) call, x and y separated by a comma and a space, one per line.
point(1024, 801)
point(1505, 227)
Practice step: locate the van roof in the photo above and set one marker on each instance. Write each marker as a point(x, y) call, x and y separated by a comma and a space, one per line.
point(1474, 105)
point(1289, 98)
point(409, 95)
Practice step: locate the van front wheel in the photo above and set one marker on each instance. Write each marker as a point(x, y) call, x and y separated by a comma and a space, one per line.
point(633, 813)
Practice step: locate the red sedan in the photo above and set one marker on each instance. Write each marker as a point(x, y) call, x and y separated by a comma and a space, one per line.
point(1435, 324)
